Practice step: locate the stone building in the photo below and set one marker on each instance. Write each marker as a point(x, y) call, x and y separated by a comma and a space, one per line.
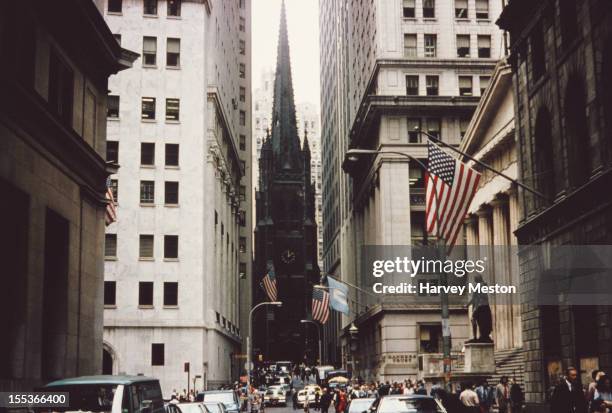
point(411, 65)
point(493, 214)
point(178, 260)
point(561, 57)
point(285, 233)
point(57, 57)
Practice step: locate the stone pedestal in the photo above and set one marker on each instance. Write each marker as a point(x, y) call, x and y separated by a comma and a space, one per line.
point(479, 358)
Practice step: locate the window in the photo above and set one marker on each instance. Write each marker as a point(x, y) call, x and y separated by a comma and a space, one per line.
point(172, 109)
point(465, 85)
point(484, 46)
point(170, 293)
point(242, 118)
point(148, 108)
point(544, 174)
point(147, 153)
point(414, 127)
point(482, 9)
point(463, 126)
point(149, 51)
point(242, 142)
point(242, 244)
point(242, 269)
point(242, 218)
point(242, 94)
point(171, 193)
point(538, 60)
point(242, 193)
point(117, 37)
point(433, 127)
point(484, 83)
point(146, 246)
point(461, 9)
point(114, 6)
point(157, 354)
point(409, 9)
point(430, 336)
point(115, 189)
point(171, 246)
point(173, 52)
point(410, 45)
point(174, 8)
point(110, 293)
point(431, 83)
point(430, 45)
point(112, 106)
point(463, 45)
point(242, 70)
point(242, 47)
point(61, 88)
point(150, 7)
point(172, 154)
point(412, 85)
point(147, 192)
point(418, 234)
point(241, 24)
point(145, 293)
point(110, 246)
point(112, 151)
point(429, 9)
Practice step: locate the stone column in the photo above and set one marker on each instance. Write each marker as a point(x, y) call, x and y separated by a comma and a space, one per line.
point(514, 211)
point(471, 234)
point(485, 241)
point(501, 240)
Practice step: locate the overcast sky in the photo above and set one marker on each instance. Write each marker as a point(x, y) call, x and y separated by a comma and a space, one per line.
point(303, 24)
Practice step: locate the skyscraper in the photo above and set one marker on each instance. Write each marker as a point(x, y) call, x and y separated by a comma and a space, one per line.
point(178, 258)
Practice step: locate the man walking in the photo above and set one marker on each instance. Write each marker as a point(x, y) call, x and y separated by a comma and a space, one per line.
point(485, 396)
point(469, 399)
point(326, 399)
point(502, 395)
point(568, 396)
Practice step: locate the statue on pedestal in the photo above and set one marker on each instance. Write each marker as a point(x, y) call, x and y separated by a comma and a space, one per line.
point(482, 320)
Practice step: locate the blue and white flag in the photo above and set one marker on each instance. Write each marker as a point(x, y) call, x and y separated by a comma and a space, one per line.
point(338, 295)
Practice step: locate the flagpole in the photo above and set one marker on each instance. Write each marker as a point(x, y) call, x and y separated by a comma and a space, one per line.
point(484, 165)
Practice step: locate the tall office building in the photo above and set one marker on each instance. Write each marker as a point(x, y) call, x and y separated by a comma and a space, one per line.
point(178, 258)
point(406, 65)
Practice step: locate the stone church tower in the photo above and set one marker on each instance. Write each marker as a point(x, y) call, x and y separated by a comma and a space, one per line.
point(285, 233)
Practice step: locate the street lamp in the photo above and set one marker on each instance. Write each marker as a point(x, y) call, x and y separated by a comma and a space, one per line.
point(248, 342)
point(319, 333)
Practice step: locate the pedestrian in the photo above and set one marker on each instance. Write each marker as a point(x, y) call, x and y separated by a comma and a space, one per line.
point(486, 396)
point(568, 396)
point(384, 389)
point(469, 399)
point(341, 402)
point(421, 388)
point(326, 399)
point(502, 395)
point(317, 398)
point(595, 375)
point(603, 392)
point(294, 399)
point(174, 399)
point(516, 397)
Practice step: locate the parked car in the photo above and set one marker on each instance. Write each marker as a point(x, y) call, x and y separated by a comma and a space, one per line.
point(114, 394)
point(227, 397)
point(275, 396)
point(413, 403)
point(360, 405)
point(187, 408)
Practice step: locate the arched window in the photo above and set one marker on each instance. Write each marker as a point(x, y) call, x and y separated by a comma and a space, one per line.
point(544, 171)
point(576, 132)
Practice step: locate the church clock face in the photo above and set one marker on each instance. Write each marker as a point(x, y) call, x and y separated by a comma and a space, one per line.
point(288, 257)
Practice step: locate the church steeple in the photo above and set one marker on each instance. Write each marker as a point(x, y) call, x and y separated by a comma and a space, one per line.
point(285, 140)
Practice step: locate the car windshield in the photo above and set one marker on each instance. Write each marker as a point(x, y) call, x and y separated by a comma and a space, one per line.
point(409, 405)
point(90, 397)
point(213, 407)
point(191, 408)
point(225, 397)
point(358, 405)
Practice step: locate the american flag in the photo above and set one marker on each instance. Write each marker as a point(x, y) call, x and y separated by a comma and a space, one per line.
point(111, 209)
point(320, 304)
point(269, 283)
point(450, 188)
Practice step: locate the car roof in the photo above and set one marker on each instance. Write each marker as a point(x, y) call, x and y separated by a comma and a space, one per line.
point(216, 391)
point(407, 396)
point(101, 379)
point(364, 399)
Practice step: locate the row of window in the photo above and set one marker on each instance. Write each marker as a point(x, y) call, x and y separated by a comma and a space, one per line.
point(432, 83)
point(227, 324)
point(147, 192)
point(145, 294)
point(148, 108)
point(428, 10)
point(145, 249)
point(430, 42)
point(149, 51)
point(149, 7)
point(147, 153)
